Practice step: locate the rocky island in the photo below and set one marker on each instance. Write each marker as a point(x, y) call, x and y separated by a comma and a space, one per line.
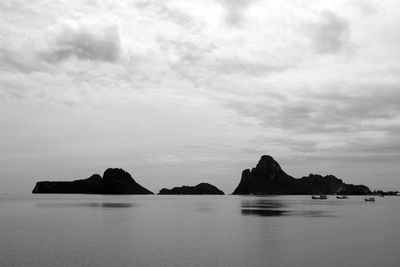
point(268, 178)
point(200, 189)
point(114, 182)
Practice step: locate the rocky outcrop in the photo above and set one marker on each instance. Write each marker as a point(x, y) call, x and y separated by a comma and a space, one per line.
point(269, 178)
point(200, 189)
point(84, 186)
point(114, 181)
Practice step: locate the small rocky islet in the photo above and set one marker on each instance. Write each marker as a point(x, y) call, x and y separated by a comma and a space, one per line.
point(267, 178)
point(200, 189)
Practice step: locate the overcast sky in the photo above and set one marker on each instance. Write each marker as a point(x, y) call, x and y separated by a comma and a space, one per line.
point(180, 92)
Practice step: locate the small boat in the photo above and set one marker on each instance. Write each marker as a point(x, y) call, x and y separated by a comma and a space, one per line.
point(342, 197)
point(319, 197)
point(370, 199)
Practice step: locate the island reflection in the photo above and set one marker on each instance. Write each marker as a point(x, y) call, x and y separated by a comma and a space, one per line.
point(273, 208)
point(104, 205)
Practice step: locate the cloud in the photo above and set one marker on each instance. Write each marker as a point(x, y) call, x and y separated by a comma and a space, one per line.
point(235, 10)
point(84, 39)
point(249, 67)
point(361, 120)
point(259, 144)
point(330, 34)
point(324, 111)
point(167, 12)
point(18, 61)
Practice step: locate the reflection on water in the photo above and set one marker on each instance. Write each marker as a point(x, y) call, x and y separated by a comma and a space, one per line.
point(205, 206)
point(104, 205)
point(264, 212)
point(273, 207)
point(263, 204)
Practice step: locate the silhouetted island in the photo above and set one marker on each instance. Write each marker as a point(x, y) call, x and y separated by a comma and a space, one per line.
point(200, 189)
point(268, 178)
point(114, 182)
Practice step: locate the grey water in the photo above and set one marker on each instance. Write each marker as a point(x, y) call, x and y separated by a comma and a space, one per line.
point(95, 230)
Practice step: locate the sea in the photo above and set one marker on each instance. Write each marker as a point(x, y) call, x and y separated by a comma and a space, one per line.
point(153, 230)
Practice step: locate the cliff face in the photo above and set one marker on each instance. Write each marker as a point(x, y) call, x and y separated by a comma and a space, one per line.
point(200, 189)
point(114, 181)
point(268, 178)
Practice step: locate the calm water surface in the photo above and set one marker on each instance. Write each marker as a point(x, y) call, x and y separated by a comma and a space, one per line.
point(94, 230)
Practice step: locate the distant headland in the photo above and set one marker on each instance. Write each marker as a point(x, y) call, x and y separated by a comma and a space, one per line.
point(268, 178)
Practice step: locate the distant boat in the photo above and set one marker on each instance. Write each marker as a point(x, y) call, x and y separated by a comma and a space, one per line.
point(319, 197)
point(370, 199)
point(342, 197)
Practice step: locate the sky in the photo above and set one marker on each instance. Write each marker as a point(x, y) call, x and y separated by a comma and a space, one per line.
point(182, 92)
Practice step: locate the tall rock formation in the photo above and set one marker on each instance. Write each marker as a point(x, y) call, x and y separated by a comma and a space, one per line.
point(269, 178)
